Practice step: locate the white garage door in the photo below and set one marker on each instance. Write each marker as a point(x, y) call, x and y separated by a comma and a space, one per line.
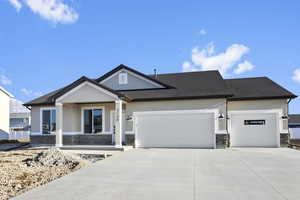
point(254, 130)
point(191, 129)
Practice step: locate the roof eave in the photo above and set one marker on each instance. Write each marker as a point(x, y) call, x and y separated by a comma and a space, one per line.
point(180, 98)
point(262, 98)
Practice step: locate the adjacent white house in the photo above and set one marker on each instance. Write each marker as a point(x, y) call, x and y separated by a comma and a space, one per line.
point(186, 110)
point(294, 126)
point(4, 113)
point(19, 116)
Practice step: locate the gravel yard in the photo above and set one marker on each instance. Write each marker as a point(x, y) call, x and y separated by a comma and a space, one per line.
point(22, 170)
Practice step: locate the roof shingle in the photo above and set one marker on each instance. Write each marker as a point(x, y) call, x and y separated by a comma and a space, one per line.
point(256, 88)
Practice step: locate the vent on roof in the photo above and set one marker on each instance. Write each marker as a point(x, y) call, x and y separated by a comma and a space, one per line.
point(123, 78)
point(155, 73)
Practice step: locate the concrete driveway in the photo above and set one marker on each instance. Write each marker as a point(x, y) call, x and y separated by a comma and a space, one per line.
point(182, 174)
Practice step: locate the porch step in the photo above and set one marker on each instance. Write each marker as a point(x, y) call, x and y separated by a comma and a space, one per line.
point(96, 147)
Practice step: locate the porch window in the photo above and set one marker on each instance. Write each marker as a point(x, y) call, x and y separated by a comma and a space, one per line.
point(93, 120)
point(48, 121)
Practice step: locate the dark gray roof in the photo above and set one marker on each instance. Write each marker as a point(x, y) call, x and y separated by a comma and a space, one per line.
point(189, 85)
point(52, 96)
point(294, 119)
point(256, 88)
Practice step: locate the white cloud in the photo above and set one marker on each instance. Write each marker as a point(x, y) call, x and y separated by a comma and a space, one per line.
point(4, 80)
point(15, 3)
point(244, 67)
point(188, 67)
point(53, 10)
point(296, 75)
point(29, 93)
point(202, 32)
point(207, 59)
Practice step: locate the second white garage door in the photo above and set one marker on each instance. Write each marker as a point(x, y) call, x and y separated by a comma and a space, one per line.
point(177, 129)
point(254, 130)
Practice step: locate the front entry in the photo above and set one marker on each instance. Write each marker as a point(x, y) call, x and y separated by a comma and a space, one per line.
point(113, 123)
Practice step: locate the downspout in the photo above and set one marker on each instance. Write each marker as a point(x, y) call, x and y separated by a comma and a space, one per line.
point(226, 118)
point(288, 112)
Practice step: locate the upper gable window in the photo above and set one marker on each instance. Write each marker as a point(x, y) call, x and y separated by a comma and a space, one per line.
point(123, 78)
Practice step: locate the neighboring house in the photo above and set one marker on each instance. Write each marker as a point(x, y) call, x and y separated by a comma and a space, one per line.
point(19, 116)
point(4, 113)
point(193, 109)
point(294, 126)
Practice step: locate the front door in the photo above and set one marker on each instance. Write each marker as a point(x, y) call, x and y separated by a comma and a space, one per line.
point(113, 123)
point(92, 121)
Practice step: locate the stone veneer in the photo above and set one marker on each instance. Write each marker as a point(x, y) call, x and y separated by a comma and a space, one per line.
point(129, 139)
point(222, 140)
point(73, 139)
point(284, 139)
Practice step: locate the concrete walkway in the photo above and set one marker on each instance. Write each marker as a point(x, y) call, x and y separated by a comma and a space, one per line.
point(182, 174)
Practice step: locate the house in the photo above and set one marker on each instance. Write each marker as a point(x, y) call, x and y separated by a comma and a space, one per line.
point(294, 126)
point(188, 110)
point(19, 119)
point(4, 113)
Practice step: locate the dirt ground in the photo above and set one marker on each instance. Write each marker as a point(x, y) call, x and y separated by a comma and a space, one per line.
point(20, 170)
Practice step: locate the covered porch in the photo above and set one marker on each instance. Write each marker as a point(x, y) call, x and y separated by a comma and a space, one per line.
point(89, 114)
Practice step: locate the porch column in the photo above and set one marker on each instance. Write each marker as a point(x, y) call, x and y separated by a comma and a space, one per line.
point(59, 124)
point(118, 124)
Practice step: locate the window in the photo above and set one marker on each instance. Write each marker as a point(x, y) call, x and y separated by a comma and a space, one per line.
point(48, 121)
point(255, 122)
point(92, 120)
point(19, 122)
point(123, 77)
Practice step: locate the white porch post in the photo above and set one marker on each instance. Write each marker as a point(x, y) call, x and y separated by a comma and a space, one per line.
point(59, 124)
point(118, 124)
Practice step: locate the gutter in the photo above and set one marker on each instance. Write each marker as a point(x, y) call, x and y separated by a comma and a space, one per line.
point(227, 118)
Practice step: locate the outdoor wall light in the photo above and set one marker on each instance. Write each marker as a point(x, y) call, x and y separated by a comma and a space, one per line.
point(284, 117)
point(221, 116)
point(129, 118)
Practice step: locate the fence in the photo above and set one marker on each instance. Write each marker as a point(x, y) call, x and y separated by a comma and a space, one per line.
point(19, 135)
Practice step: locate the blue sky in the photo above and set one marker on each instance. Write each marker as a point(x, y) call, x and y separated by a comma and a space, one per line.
point(48, 44)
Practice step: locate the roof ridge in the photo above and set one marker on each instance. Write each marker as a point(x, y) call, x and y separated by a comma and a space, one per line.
point(255, 77)
point(184, 72)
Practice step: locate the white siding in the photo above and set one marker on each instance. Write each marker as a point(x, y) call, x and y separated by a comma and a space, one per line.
point(219, 104)
point(4, 111)
point(260, 105)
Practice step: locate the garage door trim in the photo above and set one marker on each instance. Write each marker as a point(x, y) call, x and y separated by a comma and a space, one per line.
point(167, 112)
point(278, 112)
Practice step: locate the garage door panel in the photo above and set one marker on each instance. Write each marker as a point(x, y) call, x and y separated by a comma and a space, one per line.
point(175, 130)
point(251, 135)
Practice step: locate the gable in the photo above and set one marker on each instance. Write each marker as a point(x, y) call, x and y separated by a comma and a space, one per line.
point(134, 82)
point(125, 78)
point(87, 92)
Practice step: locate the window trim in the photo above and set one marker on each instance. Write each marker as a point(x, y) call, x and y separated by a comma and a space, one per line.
point(123, 74)
point(82, 118)
point(41, 119)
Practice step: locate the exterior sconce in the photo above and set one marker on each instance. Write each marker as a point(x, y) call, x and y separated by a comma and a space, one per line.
point(221, 116)
point(285, 117)
point(129, 118)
